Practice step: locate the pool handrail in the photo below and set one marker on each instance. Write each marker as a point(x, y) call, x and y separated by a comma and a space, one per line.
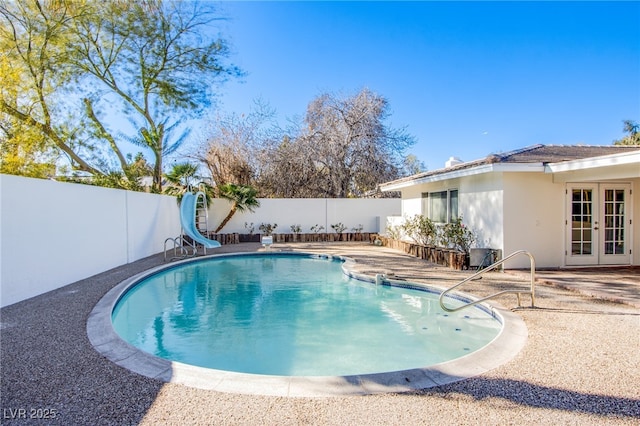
point(481, 272)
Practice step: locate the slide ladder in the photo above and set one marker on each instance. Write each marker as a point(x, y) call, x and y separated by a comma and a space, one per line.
point(193, 218)
point(202, 214)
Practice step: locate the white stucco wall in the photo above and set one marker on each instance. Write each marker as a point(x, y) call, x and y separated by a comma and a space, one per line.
point(507, 211)
point(412, 200)
point(534, 215)
point(479, 203)
point(307, 212)
point(151, 219)
point(523, 210)
point(55, 233)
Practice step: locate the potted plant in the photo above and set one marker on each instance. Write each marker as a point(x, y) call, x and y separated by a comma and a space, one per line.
point(296, 229)
point(250, 236)
point(316, 229)
point(267, 229)
point(339, 229)
point(459, 237)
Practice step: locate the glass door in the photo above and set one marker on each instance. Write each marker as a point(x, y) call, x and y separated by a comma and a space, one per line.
point(597, 224)
point(615, 245)
point(582, 226)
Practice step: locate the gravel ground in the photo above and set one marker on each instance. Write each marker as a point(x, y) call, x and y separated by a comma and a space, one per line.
point(580, 365)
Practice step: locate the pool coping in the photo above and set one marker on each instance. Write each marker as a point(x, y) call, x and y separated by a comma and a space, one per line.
point(107, 342)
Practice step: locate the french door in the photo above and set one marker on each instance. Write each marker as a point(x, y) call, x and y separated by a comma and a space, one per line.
point(598, 221)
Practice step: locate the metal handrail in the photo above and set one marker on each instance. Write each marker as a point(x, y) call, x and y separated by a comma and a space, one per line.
point(179, 243)
point(490, 268)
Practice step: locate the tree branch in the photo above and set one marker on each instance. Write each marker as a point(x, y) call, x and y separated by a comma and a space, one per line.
point(51, 134)
point(103, 133)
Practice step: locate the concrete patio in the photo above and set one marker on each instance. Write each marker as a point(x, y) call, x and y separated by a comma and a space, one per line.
point(580, 365)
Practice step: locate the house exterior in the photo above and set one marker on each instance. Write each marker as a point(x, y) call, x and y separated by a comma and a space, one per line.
point(567, 205)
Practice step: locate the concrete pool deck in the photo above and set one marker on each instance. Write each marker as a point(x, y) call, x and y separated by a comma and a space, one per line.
point(580, 364)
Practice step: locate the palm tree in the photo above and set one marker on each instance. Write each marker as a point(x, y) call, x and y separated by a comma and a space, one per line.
point(633, 133)
point(182, 177)
point(243, 197)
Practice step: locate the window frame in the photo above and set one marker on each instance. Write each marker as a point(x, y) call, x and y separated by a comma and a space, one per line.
point(451, 203)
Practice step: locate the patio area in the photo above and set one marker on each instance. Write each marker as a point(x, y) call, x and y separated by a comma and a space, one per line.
point(580, 365)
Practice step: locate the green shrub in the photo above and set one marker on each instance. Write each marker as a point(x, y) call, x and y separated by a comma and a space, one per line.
point(457, 235)
point(420, 229)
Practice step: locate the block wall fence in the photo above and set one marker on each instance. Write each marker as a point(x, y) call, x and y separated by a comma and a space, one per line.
point(54, 233)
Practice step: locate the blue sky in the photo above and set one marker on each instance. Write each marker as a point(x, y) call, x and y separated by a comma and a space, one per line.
point(467, 79)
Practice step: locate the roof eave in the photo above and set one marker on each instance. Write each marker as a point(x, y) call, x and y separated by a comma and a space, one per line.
point(471, 171)
point(594, 162)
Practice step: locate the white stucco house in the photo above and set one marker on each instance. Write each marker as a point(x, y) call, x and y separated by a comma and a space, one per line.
point(567, 205)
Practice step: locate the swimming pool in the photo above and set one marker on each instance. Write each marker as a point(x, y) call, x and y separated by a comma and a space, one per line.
point(335, 329)
point(293, 315)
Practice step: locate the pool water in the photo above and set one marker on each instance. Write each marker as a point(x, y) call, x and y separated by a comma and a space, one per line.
point(293, 315)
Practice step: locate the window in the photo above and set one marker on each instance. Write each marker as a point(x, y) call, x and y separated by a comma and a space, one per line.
point(441, 206)
point(453, 205)
point(438, 206)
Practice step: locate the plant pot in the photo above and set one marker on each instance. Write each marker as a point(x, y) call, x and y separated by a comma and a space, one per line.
point(249, 238)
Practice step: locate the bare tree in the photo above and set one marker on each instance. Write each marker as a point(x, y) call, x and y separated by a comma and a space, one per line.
point(231, 149)
point(228, 162)
point(352, 146)
point(342, 148)
point(411, 165)
point(288, 170)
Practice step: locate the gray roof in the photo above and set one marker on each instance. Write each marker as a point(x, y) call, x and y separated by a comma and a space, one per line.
point(532, 154)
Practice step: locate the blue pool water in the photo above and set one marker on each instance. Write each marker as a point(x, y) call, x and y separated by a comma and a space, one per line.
point(292, 315)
